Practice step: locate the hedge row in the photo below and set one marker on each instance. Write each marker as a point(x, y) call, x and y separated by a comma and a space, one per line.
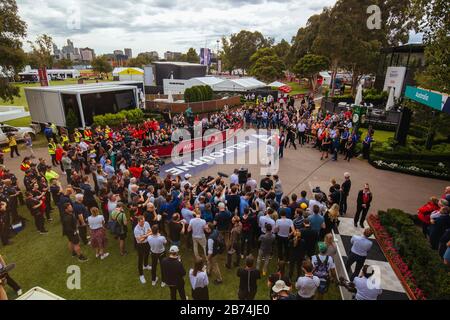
point(431, 274)
point(198, 93)
point(116, 119)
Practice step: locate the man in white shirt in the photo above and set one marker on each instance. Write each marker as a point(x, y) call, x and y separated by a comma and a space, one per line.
point(251, 182)
point(141, 233)
point(317, 201)
point(301, 128)
point(266, 219)
point(156, 242)
point(187, 176)
point(197, 226)
point(308, 284)
point(283, 228)
point(361, 246)
point(366, 287)
point(234, 178)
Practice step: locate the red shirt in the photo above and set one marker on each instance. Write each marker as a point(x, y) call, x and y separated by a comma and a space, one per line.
point(136, 171)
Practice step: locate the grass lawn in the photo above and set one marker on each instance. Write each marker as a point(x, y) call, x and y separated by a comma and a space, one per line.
point(297, 88)
point(22, 100)
point(42, 260)
point(379, 136)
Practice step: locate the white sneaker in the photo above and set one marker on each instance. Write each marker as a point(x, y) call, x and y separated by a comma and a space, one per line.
point(105, 255)
point(155, 281)
point(147, 267)
point(19, 292)
point(98, 255)
point(142, 279)
point(163, 284)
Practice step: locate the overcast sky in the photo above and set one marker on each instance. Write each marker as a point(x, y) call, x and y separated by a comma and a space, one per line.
point(162, 25)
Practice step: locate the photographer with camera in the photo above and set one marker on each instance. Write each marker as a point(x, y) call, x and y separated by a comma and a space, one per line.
point(360, 285)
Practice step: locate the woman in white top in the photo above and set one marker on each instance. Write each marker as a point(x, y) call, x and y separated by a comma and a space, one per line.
point(199, 281)
point(96, 224)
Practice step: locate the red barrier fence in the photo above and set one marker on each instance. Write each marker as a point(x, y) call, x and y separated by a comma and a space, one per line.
point(192, 145)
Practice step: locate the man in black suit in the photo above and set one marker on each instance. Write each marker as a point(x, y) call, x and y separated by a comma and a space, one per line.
point(346, 186)
point(363, 205)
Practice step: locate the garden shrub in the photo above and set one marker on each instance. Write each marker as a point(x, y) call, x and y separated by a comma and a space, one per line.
point(431, 274)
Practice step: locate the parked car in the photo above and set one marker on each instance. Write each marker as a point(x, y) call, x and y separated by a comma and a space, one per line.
point(19, 132)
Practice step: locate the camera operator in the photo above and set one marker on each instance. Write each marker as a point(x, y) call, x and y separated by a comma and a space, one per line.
point(360, 285)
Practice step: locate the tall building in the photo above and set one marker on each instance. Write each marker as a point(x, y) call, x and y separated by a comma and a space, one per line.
point(152, 54)
point(172, 56)
point(87, 54)
point(128, 53)
point(118, 52)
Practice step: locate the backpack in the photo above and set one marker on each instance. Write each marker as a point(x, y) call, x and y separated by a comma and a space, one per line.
point(219, 243)
point(321, 271)
point(115, 226)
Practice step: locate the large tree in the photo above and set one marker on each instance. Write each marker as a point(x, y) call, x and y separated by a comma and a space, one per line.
point(266, 65)
point(241, 46)
point(140, 61)
point(309, 67)
point(12, 57)
point(42, 50)
point(436, 27)
point(192, 56)
point(282, 49)
point(101, 65)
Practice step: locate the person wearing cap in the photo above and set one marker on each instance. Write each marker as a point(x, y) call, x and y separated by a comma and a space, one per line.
point(324, 268)
point(281, 291)
point(172, 273)
point(361, 246)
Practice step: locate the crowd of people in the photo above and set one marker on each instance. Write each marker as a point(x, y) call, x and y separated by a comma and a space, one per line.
point(435, 219)
point(114, 186)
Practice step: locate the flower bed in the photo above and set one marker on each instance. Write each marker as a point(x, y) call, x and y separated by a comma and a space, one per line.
point(419, 268)
point(400, 268)
point(413, 170)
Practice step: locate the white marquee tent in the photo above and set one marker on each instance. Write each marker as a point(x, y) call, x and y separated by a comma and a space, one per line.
point(276, 84)
point(239, 85)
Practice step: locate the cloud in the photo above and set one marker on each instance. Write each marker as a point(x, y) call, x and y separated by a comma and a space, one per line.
point(161, 25)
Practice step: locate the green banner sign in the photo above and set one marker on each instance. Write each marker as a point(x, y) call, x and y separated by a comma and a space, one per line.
point(428, 98)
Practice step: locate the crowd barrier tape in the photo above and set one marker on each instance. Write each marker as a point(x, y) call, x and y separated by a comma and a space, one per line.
point(165, 151)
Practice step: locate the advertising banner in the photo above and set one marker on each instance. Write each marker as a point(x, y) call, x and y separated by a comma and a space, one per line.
point(395, 77)
point(43, 77)
point(205, 56)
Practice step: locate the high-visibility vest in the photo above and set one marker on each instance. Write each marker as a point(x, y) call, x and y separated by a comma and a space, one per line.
point(107, 131)
point(64, 138)
point(24, 166)
point(77, 136)
point(52, 148)
point(12, 141)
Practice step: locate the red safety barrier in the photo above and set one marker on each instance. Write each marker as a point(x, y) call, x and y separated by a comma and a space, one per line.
point(192, 145)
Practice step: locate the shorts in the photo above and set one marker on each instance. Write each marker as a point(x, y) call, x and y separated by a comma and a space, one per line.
point(74, 239)
point(123, 236)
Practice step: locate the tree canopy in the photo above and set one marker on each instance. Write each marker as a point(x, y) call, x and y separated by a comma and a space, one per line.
point(309, 67)
point(101, 65)
point(42, 51)
point(12, 57)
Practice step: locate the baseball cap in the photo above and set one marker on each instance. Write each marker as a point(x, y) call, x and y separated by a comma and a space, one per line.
point(303, 205)
point(322, 247)
point(187, 176)
point(280, 285)
point(174, 249)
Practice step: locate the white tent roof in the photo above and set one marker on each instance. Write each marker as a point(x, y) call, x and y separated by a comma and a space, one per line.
point(38, 293)
point(276, 84)
point(118, 70)
point(324, 74)
point(241, 84)
point(88, 88)
point(210, 81)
